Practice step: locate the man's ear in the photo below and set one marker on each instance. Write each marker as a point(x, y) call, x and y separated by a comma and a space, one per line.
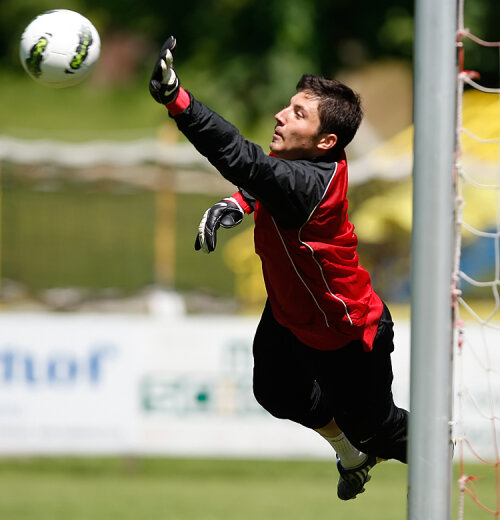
point(327, 142)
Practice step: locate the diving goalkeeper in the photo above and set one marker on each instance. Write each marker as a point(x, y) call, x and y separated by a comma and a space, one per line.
point(322, 349)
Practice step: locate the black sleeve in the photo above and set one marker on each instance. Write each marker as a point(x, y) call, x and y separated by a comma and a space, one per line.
point(289, 190)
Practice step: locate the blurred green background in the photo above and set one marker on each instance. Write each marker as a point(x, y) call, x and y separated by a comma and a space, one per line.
point(243, 57)
point(100, 235)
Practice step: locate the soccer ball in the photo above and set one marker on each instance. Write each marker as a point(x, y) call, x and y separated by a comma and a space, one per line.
point(59, 48)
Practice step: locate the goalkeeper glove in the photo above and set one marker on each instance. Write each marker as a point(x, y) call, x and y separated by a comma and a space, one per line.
point(226, 213)
point(164, 83)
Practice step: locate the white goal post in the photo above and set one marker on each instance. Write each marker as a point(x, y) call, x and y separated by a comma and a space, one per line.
point(431, 393)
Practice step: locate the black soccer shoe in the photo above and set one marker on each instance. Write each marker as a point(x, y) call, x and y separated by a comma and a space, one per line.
point(352, 480)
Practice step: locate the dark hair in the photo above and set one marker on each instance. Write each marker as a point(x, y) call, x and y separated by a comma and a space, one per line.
point(340, 111)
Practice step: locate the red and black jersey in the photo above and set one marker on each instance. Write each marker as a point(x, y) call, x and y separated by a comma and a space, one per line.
point(303, 235)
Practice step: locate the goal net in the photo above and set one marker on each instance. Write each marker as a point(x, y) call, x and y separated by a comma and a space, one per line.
point(477, 281)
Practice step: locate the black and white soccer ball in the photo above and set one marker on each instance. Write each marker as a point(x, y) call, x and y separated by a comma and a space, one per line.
point(59, 48)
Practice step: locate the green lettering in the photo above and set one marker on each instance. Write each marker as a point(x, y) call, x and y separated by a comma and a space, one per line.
point(35, 58)
point(82, 50)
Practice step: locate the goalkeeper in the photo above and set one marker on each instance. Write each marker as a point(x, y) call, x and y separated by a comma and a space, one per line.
point(322, 347)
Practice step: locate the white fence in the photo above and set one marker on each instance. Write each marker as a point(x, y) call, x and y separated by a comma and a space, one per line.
point(124, 384)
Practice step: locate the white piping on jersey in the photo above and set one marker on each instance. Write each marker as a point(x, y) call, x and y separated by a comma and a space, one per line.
point(298, 274)
point(314, 258)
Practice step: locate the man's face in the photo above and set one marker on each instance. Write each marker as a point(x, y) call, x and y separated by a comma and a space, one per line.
point(296, 131)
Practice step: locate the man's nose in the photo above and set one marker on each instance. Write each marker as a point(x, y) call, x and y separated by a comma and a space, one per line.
point(281, 116)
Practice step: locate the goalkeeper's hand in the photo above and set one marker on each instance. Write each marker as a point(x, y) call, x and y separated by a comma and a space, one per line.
point(164, 83)
point(226, 213)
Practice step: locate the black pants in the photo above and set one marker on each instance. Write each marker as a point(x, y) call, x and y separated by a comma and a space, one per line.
point(312, 387)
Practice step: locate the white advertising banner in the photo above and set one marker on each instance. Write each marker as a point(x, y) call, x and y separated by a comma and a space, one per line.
point(68, 383)
point(147, 385)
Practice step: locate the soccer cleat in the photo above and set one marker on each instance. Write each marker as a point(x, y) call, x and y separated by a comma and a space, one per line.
point(352, 480)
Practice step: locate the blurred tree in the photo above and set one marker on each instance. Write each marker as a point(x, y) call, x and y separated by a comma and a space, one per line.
point(253, 51)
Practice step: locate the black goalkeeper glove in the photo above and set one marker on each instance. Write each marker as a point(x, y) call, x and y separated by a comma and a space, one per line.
point(226, 213)
point(164, 83)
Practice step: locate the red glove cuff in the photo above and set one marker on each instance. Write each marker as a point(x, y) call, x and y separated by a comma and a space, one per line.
point(180, 103)
point(242, 202)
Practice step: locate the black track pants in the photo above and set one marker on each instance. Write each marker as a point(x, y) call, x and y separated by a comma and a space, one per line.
point(309, 386)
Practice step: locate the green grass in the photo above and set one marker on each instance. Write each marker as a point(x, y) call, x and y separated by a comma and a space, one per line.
point(188, 489)
point(97, 235)
point(90, 235)
point(92, 110)
point(192, 489)
point(84, 112)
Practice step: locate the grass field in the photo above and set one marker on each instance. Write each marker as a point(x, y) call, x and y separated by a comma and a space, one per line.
point(83, 112)
point(96, 235)
point(61, 232)
point(189, 489)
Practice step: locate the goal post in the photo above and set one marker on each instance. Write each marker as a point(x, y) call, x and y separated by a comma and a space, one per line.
point(430, 470)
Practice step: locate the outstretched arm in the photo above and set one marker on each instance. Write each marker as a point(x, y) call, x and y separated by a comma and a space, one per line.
point(289, 190)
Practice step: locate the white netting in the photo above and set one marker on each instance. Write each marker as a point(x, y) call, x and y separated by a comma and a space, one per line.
point(477, 282)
